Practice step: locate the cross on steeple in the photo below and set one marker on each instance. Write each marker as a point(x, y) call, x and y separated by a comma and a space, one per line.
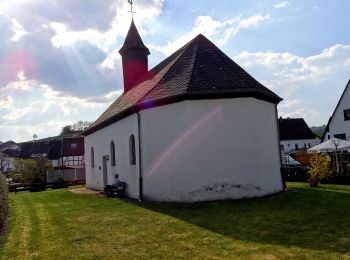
point(131, 2)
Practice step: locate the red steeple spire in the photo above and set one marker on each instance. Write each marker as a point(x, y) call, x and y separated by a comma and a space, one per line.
point(134, 57)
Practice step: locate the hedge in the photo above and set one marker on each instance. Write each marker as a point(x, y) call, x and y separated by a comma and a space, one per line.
point(4, 202)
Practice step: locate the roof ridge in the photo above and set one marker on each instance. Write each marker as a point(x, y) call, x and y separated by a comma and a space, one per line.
point(227, 60)
point(149, 91)
point(183, 50)
point(195, 60)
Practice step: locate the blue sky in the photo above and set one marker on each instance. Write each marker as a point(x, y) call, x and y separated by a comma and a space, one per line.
point(59, 60)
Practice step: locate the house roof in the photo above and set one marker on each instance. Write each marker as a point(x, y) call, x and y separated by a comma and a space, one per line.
point(336, 107)
point(26, 150)
point(41, 147)
point(51, 148)
point(55, 149)
point(294, 129)
point(11, 152)
point(198, 70)
point(133, 40)
point(73, 146)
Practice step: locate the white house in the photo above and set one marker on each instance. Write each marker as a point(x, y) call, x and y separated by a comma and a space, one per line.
point(339, 123)
point(296, 135)
point(196, 127)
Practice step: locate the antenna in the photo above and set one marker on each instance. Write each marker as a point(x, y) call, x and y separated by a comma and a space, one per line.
point(131, 2)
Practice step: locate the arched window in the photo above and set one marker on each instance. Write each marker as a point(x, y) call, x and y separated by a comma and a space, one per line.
point(112, 154)
point(92, 158)
point(132, 152)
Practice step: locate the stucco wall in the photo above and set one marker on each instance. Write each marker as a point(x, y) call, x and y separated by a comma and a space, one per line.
point(301, 144)
point(120, 133)
point(210, 150)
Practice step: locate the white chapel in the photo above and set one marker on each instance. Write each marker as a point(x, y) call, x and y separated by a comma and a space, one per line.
point(196, 127)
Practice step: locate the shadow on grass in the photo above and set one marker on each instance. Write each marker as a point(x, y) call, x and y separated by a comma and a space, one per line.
point(318, 219)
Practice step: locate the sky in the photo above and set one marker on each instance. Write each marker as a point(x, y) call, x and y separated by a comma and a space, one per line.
point(59, 60)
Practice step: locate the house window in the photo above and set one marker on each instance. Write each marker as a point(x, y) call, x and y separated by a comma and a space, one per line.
point(288, 145)
point(305, 145)
point(296, 147)
point(132, 151)
point(309, 145)
point(340, 136)
point(92, 158)
point(282, 147)
point(346, 114)
point(112, 153)
point(73, 146)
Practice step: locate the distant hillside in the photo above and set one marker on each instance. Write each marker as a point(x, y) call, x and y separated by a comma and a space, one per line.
point(57, 137)
point(318, 130)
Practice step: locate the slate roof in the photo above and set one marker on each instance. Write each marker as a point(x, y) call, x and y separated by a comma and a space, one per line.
point(51, 148)
point(26, 150)
point(198, 70)
point(55, 149)
point(40, 147)
point(133, 40)
point(294, 129)
point(11, 152)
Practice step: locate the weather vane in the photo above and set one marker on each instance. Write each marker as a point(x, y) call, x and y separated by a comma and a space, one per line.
point(131, 2)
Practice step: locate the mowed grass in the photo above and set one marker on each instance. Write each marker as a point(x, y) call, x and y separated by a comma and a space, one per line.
point(303, 224)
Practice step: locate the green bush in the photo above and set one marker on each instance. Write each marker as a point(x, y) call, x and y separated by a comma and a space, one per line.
point(32, 170)
point(319, 169)
point(4, 202)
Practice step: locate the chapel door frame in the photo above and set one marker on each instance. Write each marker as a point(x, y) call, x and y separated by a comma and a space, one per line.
point(105, 158)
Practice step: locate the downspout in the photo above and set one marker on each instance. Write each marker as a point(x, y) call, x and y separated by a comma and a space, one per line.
point(279, 148)
point(140, 159)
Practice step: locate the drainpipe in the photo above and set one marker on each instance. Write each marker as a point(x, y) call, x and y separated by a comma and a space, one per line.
point(140, 159)
point(279, 148)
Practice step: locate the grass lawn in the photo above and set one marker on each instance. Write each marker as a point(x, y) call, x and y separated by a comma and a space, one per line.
point(302, 224)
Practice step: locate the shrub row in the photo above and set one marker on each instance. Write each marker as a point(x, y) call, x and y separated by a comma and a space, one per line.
point(4, 202)
point(301, 174)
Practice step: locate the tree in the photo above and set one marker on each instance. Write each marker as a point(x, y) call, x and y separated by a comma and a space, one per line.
point(43, 165)
point(68, 129)
point(319, 169)
point(4, 162)
point(78, 126)
point(32, 170)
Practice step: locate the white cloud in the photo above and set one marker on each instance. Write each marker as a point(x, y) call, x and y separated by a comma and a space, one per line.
point(219, 31)
point(109, 61)
point(286, 72)
point(283, 4)
point(44, 110)
point(18, 31)
point(6, 102)
point(301, 112)
point(64, 35)
point(288, 103)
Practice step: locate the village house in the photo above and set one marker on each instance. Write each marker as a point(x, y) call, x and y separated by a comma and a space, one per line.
point(296, 135)
point(72, 158)
point(65, 153)
point(338, 125)
point(196, 127)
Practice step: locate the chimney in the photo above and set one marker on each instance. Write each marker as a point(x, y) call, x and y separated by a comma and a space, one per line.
point(134, 58)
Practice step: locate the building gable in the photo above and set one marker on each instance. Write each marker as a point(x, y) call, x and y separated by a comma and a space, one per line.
point(339, 123)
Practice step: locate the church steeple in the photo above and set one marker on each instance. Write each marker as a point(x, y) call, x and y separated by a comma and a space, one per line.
point(134, 58)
